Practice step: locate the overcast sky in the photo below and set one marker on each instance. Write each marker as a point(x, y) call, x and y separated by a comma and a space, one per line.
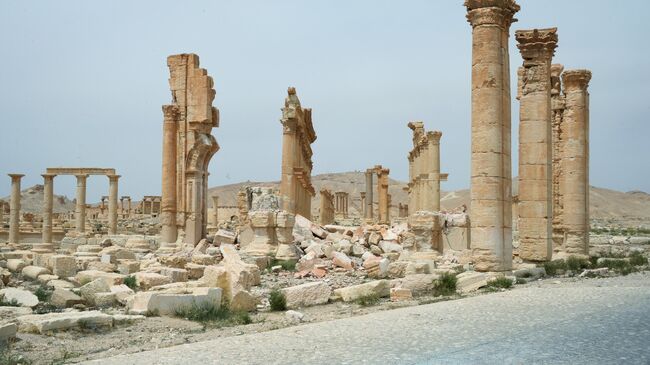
point(82, 83)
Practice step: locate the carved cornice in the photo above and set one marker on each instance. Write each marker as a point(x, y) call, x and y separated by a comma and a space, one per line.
point(576, 80)
point(537, 44)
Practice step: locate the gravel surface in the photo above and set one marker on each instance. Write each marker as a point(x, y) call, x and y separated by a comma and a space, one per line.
point(594, 321)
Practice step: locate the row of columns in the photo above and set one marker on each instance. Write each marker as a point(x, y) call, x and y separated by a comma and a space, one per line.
point(384, 198)
point(424, 169)
point(48, 204)
point(341, 203)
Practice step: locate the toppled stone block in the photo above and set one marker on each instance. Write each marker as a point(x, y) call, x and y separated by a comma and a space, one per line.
point(127, 267)
point(175, 261)
point(166, 304)
point(7, 332)
point(60, 284)
point(105, 300)
point(195, 271)
point(63, 266)
point(89, 291)
point(390, 246)
point(146, 280)
point(101, 266)
point(470, 281)
point(32, 272)
point(122, 293)
point(379, 288)
point(64, 298)
point(306, 295)
point(203, 259)
point(294, 316)
point(417, 283)
point(16, 265)
point(530, 272)
point(342, 260)
point(46, 278)
point(400, 294)
point(223, 236)
point(175, 275)
point(43, 323)
point(376, 267)
point(23, 297)
point(111, 278)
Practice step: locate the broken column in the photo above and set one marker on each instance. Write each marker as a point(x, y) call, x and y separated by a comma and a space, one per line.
point(574, 181)
point(537, 48)
point(491, 210)
point(326, 215)
point(112, 203)
point(369, 198)
point(296, 189)
point(80, 208)
point(558, 142)
point(188, 148)
point(382, 191)
point(14, 209)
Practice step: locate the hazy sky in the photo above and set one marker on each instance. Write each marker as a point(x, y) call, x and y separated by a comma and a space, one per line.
point(82, 83)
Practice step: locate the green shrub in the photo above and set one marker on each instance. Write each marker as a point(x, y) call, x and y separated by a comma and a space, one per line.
point(620, 266)
point(42, 294)
point(554, 267)
point(277, 300)
point(368, 300)
point(9, 303)
point(521, 281)
point(445, 284)
point(130, 282)
point(207, 313)
point(500, 283)
point(637, 259)
point(576, 264)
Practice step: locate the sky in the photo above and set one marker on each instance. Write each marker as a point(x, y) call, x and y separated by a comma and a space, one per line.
point(82, 84)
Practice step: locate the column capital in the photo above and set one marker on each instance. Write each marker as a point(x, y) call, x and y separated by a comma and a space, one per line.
point(537, 44)
point(113, 177)
point(81, 177)
point(491, 12)
point(576, 80)
point(434, 136)
point(171, 113)
point(47, 176)
point(16, 176)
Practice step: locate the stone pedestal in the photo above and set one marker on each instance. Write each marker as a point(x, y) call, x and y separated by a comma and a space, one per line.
point(264, 242)
point(426, 228)
point(14, 209)
point(284, 235)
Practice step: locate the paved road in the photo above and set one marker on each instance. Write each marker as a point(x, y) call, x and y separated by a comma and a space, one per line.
point(587, 322)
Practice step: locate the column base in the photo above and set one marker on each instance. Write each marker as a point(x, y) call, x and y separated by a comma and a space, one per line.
point(286, 252)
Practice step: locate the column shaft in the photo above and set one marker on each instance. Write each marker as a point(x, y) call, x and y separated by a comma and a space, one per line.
point(112, 203)
point(369, 197)
point(14, 209)
point(80, 209)
point(169, 231)
point(48, 200)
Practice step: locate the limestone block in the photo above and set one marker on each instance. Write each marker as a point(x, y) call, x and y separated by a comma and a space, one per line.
point(374, 238)
point(90, 290)
point(22, 297)
point(175, 275)
point(115, 253)
point(400, 294)
point(224, 236)
point(127, 267)
point(90, 275)
point(390, 246)
point(470, 281)
point(317, 248)
point(146, 280)
point(358, 250)
point(122, 292)
point(195, 271)
point(43, 323)
point(60, 284)
point(32, 272)
point(176, 261)
point(16, 265)
point(376, 267)
point(343, 246)
point(202, 259)
point(342, 260)
point(167, 304)
point(63, 266)
point(105, 300)
point(417, 283)
point(46, 278)
point(379, 288)
point(64, 298)
point(308, 294)
point(7, 332)
point(101, 266)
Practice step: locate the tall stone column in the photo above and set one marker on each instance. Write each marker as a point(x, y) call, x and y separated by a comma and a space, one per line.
point(574, 182)
point(369, 198)
point(363, 203)
point(14, 209)
point(382, 187)
point(128, 202)
point(535, 207)
point(491, 196)
point(287, 183)
point(169, 231)
point(215, 212)
point(434, 163)
point(2, 213)
point(80, 209)
point(557, 138)
point(48, 201)
point(112, 203)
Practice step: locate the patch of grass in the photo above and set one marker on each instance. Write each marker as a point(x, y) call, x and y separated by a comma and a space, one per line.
point(130, 282)
point(576, 264)
point(209, 313)
point(42, 293)
point(521, 281)
point(368, 300)
point(445, 285)
point(65, 356)
point(501, 283)
point(8, 357)
point(277, 300)
point(637, 259)
point(555, 267)
point(459, 270)
point(43, 308)
point(287, 265)
point(623, 267)
point(9, 303)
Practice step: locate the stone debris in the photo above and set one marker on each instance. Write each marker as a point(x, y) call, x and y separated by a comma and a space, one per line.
point(400, 294)
point(23, 297)
point(378, 288)
point(7, 332)
point(44, 323)
point(470, 281)
point(294, 316)
point(64, 298)
point(307, 294)
point(168, 303)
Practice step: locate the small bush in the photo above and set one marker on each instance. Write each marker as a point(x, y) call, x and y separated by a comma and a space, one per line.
point(43, 308)
point(209, 313)
point(500, 283)
point(368, 300)
point(42, 294)
point(277, 300)
point(7, 357)
point(521, 281)
point(554, 267)
point(637, 259)
point(619, 266)
point(445, 285)
point(9, 303)
point(130, 282)
point(287, 265)
point(576, 264)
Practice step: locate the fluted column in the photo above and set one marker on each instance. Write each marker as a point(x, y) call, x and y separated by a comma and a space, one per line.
point(382, 187)
point(369, 197)
point(215, 213)
point(491, 220)
point(112, 203)
point(14, 209)
point(537, 47)
point(574, 182)
point(80, 209)
point(434, 168)
point(169, 231)
point(48, 200)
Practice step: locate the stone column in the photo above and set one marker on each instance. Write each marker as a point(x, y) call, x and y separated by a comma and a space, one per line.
point(215, 213)
point(382, 187)
point(169, 231)
point(14, 209)
point(48, 200)
point(491, 222)
point(363, 203)
point(369, 198)
point(574, 182)
point(2, 213)
point(288, 184)
point(557, 138)
point(434, 163)
point(537, 47)
point(112, 203)
point(80, 209)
